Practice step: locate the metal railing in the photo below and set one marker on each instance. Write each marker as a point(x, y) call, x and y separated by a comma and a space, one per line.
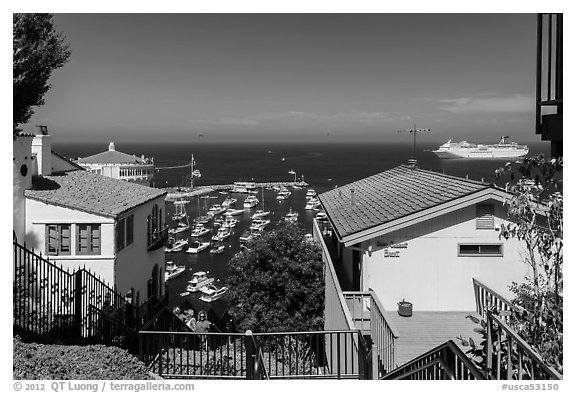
point(289, 355)
point(508, 356)
point(367, 310)
point(158, 240)
point(446, 361)
point(51, 302)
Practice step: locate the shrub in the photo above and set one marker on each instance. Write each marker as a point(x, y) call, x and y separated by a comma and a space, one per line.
point(41, 361)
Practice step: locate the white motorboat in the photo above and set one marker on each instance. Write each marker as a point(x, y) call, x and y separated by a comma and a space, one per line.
point(183, 294)
point(217, 209)
point(230, 222)
point(173, 271)
point(260, 214)
point(199, 280)
point(222, 234)
point(229, 202)
point(177, 246)
point(291, 216)
point(217, 250)
point(310, 193)
point(234, 212)
point(181, 227)
point(203, 220)
point(218, 222)
point(321, 216)
point(259, 224)
point(251, 201)
point(212, 293)
point(197, 247)
point(312, 203)
point(200, 230)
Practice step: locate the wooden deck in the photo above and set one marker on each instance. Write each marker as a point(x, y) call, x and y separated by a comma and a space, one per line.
point(425, 330)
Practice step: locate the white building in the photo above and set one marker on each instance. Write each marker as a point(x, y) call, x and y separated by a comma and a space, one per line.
point(421, 236)
point(76, 218)
point(118, 165)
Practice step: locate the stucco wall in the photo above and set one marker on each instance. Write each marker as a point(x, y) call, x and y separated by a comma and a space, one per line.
point(134, 264)
point(39, 214)
point(21, 155)
point(429, 273)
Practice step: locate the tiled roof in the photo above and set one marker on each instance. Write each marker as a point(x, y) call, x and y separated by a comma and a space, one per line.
point(111, 157)
point(390, 195)
point(91, 193)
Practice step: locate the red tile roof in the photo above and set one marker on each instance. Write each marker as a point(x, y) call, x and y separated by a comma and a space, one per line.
point(111, 157)
point(390, 195)
point(91, 193)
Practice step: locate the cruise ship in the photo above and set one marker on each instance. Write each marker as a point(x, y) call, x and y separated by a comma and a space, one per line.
point(502, 149)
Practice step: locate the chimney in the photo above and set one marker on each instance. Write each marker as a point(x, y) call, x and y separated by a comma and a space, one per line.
point(352, 199)
point(412, 163)
point(111, 147)
point(42, 148)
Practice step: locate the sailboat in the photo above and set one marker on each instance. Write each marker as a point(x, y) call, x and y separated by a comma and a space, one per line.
point(261, 212)
point(180, 216)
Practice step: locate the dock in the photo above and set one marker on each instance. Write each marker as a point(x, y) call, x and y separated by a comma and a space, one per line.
point(176, 193)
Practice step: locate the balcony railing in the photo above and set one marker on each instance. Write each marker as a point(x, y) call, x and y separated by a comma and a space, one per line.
point(369, 314)
point(508, 355)
point(289, 355)
point(446, 361)
point(158, 240)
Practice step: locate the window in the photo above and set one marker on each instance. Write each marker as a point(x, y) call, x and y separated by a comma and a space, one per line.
point(154, 225)
point(129, 230)
point(58, 239)
point(494, 250)
point(88, 239)
point(485, 216)
point(120, 232)
point(124, 232)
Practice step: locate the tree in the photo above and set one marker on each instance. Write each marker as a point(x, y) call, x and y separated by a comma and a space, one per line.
point(37, 50)
point(536, 210)
point(277, 283)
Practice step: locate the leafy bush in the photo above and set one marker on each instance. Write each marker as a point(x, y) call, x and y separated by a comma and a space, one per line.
point(277, 283)
point(40, 361)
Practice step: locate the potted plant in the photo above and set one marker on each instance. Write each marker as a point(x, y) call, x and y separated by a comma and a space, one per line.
point(405, 308)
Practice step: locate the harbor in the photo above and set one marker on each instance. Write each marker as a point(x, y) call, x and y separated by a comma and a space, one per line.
point(177, 193)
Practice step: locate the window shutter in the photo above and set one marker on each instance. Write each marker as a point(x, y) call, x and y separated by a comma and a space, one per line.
point(95, 239)
point(82, 239)
point(129, 229)
point(65, 239)
point(51, 240)
point(485, 216)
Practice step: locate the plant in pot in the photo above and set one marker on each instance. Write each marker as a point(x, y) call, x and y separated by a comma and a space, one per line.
point(405, 308)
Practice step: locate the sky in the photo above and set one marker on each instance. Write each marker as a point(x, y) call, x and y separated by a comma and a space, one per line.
point(293, 78)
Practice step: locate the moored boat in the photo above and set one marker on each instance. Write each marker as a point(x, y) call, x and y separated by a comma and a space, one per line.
point(199, 280)
point(234, 212)
point(217, 249)
point(177, 246)
point(200, 230)
point(212, 293)
point(250, 201)
point(173, 271)
point(197, 247)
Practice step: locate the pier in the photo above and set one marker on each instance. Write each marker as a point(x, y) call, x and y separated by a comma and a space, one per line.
point(176, 193)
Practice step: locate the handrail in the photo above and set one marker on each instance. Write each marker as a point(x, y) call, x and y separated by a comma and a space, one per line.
point(514, 337)
point(480, 292)
point(390, 324)
point(254, 334)
point(439, 355)
point(332, 272)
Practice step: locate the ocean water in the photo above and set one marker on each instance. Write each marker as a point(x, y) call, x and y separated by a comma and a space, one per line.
point(323, 166)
